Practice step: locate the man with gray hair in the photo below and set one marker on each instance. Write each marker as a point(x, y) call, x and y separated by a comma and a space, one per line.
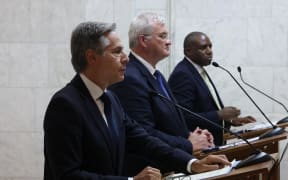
point(86, 132)
point(149, 44)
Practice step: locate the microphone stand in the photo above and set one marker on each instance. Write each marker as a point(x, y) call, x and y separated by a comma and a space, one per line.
point(256, 157)
point(285, 119)
point(276, 130)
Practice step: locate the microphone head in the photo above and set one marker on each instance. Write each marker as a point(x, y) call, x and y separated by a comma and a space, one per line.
point(215, 64)
point(239, 69)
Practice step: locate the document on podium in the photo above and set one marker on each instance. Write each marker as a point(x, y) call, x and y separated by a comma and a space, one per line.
point(205, 175)
point(238, 142)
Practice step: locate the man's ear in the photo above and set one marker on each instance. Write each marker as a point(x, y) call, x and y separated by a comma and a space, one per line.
point(91, 56)
point(187, 51)
point(142, 40)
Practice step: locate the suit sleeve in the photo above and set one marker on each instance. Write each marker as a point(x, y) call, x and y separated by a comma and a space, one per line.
point(139, 141)
point(136, 99)
point(63, 143)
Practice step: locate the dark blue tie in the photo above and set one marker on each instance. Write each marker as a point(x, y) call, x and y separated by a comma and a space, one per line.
point(108, 113)
point(160, 80)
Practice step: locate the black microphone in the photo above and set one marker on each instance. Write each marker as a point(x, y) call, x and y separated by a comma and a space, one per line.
point(285, 119)
point(276, 130)
point(256, 157)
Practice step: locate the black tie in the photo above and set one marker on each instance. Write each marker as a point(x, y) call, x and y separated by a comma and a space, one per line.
point(160, 80)
point(110, 120)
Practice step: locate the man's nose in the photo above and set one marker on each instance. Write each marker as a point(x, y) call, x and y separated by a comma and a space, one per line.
point(124, 58)
point(168, 41)
point(209, 50)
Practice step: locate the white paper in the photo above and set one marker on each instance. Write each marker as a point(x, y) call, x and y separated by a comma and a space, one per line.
point(205, 175)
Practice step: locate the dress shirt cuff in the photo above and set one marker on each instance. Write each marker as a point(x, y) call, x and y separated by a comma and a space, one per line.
point(130, 178)
point(189, 165)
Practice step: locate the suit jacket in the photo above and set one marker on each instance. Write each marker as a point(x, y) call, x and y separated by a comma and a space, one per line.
point(78, 144)
point(191, 91)
point(158, 116)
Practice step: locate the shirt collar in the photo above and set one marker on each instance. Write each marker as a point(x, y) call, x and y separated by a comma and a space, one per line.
point(199, 69)
point(94, 90)
point(148, 66)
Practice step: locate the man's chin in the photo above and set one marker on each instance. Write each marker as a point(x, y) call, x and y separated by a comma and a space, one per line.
point(121, 78)
point(209, 62)
point(118, 80)
point(166, 54)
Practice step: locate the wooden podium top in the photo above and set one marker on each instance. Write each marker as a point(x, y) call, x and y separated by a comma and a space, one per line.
point(254, 133)
point(241, 151)
point(263, 170)
point(242, 173)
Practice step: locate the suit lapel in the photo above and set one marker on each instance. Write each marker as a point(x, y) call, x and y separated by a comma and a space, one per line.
point(93, 110)
point(201, 82)
point(155, 86)
point(149, 77)
point(146, 74)
point(218, 97)
point(197, 77)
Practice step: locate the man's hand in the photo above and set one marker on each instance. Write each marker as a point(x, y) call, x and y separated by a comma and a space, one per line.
point(210, 137)
point(148, 173)
point(229, 113)
point(209, 163)
point(242, 120)
point(201, 139)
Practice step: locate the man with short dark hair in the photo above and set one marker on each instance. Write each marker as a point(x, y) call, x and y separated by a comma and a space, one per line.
point(194, 89)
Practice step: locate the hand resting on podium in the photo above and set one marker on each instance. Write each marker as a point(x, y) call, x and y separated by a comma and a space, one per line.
point(209, 163)
point(225, 170)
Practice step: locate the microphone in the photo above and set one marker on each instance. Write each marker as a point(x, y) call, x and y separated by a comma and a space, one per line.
point(285, 119)
point(256, 157)
point(276, 130)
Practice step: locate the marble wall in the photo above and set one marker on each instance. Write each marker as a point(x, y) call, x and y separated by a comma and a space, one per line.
point(250, 34)
point(35, 59)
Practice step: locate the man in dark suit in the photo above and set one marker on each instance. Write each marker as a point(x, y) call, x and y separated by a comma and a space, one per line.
point(86, 132)
point(194, 89)
point(149, 44)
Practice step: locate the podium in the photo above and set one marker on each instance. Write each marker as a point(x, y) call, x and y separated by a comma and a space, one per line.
point(269, 145)
point(264, 171)
point(254, 133)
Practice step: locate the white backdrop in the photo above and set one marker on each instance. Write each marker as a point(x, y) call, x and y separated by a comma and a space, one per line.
point(35, 59)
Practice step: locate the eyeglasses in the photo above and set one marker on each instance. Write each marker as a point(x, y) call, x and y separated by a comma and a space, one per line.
point(116, 53)
point(163, 36)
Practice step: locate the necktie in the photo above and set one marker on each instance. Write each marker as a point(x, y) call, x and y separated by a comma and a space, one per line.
point(160, 80)
point(210, 87)
point(213, 93)
point(110, 120)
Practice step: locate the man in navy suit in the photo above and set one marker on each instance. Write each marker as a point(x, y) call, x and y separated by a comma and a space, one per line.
point(149, 44)
point(194, 89)
point(86, 132)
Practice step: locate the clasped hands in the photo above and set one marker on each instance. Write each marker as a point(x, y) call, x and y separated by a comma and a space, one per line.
point(201, 139)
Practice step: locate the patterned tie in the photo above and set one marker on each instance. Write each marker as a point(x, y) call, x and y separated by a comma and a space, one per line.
point(210, 87)
point(160, 78)
point(110, 120)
